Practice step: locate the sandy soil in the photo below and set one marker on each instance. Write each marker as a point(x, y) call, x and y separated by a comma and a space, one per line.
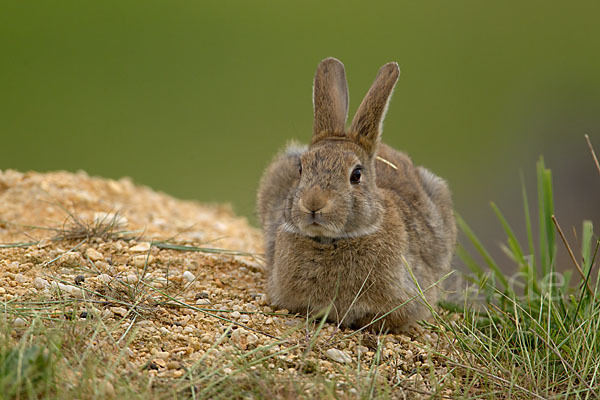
point(173, 305)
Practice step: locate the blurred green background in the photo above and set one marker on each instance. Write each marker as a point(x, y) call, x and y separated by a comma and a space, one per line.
point(193, 98)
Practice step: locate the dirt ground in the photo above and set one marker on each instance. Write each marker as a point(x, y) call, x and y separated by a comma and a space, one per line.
point(117, 252)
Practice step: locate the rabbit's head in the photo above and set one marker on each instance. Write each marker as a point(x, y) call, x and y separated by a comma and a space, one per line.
point(336, 194)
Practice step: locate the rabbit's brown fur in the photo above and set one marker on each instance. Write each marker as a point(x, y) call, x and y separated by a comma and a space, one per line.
point(332, 240)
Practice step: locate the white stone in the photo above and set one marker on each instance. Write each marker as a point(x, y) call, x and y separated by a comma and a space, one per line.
point(131, 278)
point(74, 291)
point(94, 254)
point(188, 276)
point(252, 339)
point(104, 278)
point(60, 287)
point(338, 356)
point(202, 302)
point(244, 318)
point(40, 283)
point(19, 322)
point(143, 247)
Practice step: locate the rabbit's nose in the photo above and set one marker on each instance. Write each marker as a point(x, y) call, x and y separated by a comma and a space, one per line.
point(313, 201)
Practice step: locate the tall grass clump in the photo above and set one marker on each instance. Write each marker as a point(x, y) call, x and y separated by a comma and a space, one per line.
point(533, 332)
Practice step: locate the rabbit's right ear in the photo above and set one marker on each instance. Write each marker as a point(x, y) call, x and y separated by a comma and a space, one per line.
point(330, 100)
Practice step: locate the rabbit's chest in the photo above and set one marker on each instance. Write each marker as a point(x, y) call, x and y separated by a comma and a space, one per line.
point(343, 266)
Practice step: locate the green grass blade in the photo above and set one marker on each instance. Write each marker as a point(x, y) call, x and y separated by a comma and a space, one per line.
point(549, 212)
point(543, 225)
point(528, 222)
point(587, 237)
point(513, 242)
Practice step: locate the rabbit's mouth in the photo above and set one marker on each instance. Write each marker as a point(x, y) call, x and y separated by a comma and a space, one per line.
point(315, 228)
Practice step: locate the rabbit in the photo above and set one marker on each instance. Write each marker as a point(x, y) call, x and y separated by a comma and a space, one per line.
point(350, 223)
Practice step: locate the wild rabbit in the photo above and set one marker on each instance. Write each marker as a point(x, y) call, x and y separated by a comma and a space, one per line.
point(347, 218)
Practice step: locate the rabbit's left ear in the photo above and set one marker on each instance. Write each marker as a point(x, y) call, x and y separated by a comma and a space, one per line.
point(330, 99)
point(367, 124)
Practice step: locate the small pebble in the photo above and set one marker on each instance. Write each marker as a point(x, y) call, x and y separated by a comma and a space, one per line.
point(74, 291)
point(252, 339)
point(94, 255)
point(202, 302)
point(20, 278)
point(120, 311)
point(339, 356)
point(164, 330)
point(178, 373)
point(60, 287)
point(142, 259)
point(244, 318)
point(173, 365)
point(70, 258)
point(188, 276)
point(40, 283)
point(238, 337)
point(104, 278)
point(79, 279)
point(206, 338)
point(131, 278)
point(235, 315)
point(102, 265)
point(163, 354)
point(19, 322)
point(141, 248)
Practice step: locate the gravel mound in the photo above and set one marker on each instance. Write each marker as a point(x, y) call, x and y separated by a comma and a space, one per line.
point(176, 283)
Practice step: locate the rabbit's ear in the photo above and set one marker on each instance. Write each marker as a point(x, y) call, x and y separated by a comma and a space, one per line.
point(330, 100)
point(368, 121)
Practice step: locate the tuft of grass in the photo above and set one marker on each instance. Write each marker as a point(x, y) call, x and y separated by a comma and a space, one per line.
point(536, 332)
point(26, 370)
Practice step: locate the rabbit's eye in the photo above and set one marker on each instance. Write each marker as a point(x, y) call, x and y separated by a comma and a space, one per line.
point(356, 175)
point(299, 169)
